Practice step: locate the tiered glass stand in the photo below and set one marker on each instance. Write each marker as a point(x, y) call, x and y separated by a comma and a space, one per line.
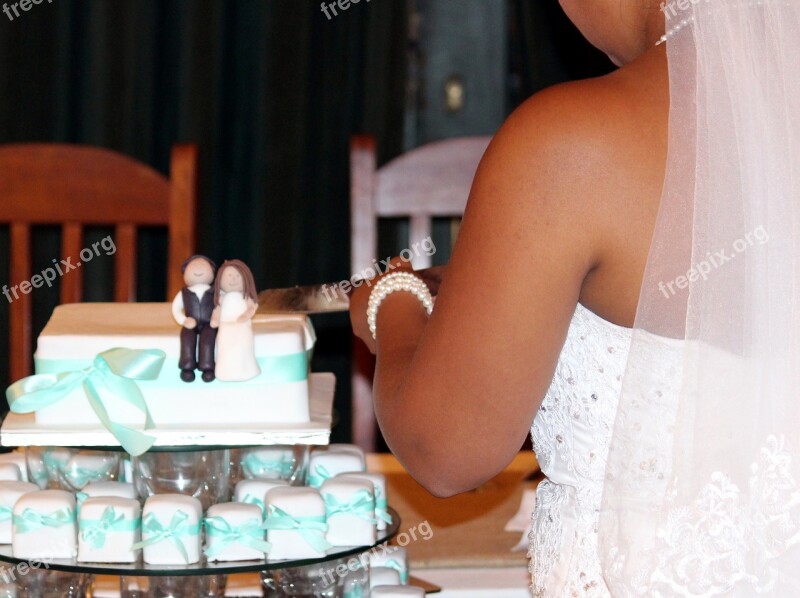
point(320, 577)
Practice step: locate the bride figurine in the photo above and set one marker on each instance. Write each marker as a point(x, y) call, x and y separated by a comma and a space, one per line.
point(235, 305)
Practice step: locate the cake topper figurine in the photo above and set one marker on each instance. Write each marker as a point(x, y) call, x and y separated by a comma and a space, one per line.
point(192, 309)
point(235, 304)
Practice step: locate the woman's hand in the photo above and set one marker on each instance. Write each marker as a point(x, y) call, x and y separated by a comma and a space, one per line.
point(360, 297)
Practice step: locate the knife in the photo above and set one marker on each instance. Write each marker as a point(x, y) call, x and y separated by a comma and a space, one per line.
point(326, 298)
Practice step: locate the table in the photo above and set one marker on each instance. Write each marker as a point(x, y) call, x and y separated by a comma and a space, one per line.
point(467, 553)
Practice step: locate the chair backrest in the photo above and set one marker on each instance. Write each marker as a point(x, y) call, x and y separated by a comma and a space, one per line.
point(428, 182)
point(76, 186)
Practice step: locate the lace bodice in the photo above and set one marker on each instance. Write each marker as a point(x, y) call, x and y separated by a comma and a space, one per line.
point(571, 436)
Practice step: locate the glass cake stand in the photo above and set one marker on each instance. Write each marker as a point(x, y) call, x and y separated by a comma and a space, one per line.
point(203, 568)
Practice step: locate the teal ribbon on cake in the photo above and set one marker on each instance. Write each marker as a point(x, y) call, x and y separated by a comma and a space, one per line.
point(30, 520)
point(275, 369)
point(312, 529)
point(254, 500)
point(398, 566)
point(355, 592)
point(94, 531)
point(80, 498)
point(362, 505)
point(250, 534)
point(382, 510)
point(177, 529)
point(114, 373)
point(318, 476)
point(258, 467)
point(6, 512)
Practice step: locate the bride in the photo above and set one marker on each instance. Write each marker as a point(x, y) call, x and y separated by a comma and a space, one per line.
point(626, 285)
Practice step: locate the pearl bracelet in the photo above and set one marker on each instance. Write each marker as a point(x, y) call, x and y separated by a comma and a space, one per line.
point(396, 281)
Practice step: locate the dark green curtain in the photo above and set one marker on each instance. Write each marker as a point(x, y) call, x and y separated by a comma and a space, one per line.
point(270, 91)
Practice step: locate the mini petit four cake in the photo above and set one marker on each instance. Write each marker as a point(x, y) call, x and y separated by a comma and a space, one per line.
point(350, 511)
point(383, 576)
point(254, 491)
point(378, 480)
point(235, 532)
point(171, 530)
point(10, 472)
point(108, 528)
point(10, 493)
point(326, 462)
point(132, 351)
point(17, 457)
point(395, 557)
point(296, 523)
point(44, 525)
point(118, 489)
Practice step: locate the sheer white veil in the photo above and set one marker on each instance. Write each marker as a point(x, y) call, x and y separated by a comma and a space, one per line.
point(701, 495)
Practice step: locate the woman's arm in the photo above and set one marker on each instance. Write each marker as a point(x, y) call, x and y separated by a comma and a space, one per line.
point(455, 394)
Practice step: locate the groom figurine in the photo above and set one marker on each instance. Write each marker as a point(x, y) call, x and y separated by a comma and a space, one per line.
point(192, 309)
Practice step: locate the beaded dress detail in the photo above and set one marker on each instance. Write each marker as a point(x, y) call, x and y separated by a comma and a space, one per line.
point(571, 437)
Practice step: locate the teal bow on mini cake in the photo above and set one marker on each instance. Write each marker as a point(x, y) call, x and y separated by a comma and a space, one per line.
point(31, 520)
point(362, 504)
point(113, 373)
point(382, 510)
point(94, 531)
point(254, 500)
point(250, 534)
point(178, 528)
point(6, 512)
point(257, 467)
point(312, 529)
point(397, 566)
point(319, 475)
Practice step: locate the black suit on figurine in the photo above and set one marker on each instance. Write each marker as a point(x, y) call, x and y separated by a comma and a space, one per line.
point(194, 354)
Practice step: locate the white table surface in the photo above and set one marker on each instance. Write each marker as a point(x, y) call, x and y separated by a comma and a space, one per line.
point(478, 583)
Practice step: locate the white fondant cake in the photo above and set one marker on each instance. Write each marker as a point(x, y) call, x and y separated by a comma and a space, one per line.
point(44, 525)
point(10, 492)
point(77, 333)
point(108, 527)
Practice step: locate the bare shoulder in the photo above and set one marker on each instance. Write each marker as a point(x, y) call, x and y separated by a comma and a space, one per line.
point(589, 157)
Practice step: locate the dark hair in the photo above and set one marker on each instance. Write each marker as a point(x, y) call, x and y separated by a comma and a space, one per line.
point(188, 260)
point(249, 290)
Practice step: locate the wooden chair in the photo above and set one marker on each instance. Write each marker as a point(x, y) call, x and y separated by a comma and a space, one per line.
point(75, 186)
point(428, 182)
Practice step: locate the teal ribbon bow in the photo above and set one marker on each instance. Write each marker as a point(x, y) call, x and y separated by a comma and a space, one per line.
point(253, 500)
point(5, 512)
point(362, 505)
point(256, 467)
point(113, 373)
point(311, 529)
point(31, 520)
point(177, 529)
point(397, 566)
point(382, 510)
point(250, 534)
point(94, 531)
point(319, 475)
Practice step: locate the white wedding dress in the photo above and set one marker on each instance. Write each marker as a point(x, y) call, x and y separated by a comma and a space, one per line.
point(571, 436)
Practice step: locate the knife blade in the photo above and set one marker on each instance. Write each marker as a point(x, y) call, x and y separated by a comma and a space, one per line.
point(326, 298)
